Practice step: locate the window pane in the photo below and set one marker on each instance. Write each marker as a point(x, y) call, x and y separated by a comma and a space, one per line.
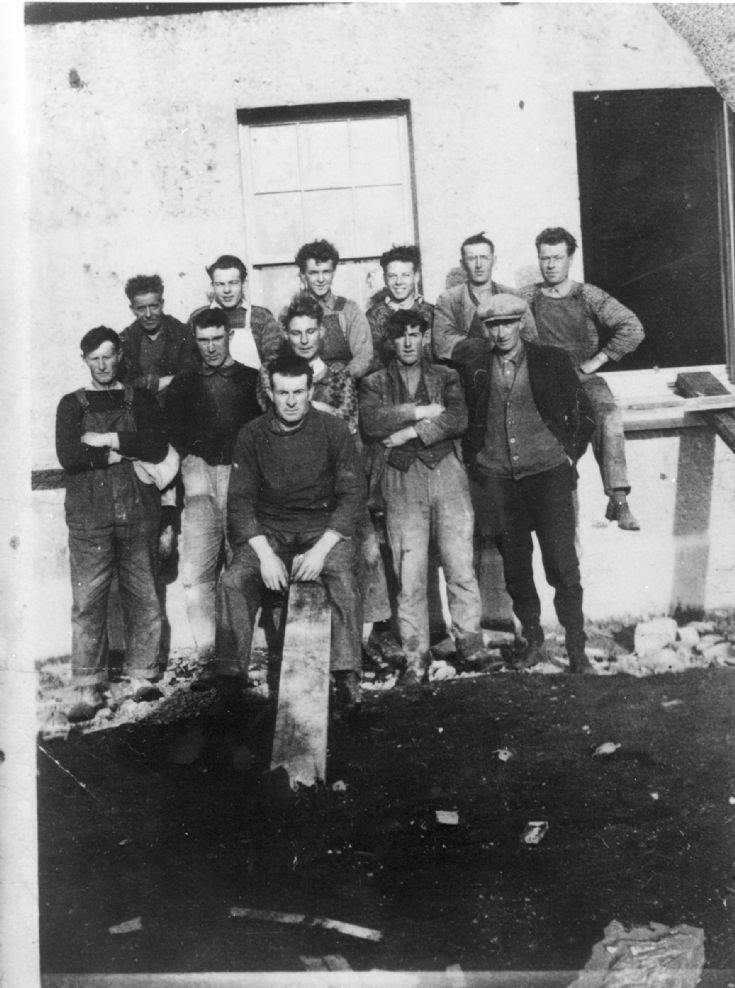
point(359, 280)
point(376, 158)
point(329, 214)
point(276, 287)
point(275, 158)
point(379, 220)
point(325, 154)
point(278, 227)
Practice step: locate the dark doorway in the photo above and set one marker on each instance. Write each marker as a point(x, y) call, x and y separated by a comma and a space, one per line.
point(651, 179)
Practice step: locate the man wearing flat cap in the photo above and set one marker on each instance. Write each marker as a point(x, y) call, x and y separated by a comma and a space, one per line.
point(529, 422)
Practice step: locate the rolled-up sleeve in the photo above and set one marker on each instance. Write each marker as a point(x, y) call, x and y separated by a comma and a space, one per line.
point(622, 330)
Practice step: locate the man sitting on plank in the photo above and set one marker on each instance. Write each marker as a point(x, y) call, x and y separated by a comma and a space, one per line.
point(296, 498)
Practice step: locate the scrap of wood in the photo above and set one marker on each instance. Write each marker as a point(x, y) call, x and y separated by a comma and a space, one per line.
point(271, 915)
point(698, 404)
point(267, 915)
point(350, 929)
point(129, 926)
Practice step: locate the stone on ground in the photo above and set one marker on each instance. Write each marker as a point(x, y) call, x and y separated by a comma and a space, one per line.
point(653, 956)
point(652, 636)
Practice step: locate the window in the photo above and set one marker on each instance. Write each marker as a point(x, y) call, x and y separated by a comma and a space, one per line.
point(339, 171)
point(655, 180)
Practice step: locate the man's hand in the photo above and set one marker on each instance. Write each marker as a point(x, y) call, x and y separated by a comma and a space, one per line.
point(100, 439)
point(592, 365)
point(273, 572)
point(166, 543)
point(309, 565)
point(322, 406)
point(432, 411)
point(113, 457)
point(400, 437)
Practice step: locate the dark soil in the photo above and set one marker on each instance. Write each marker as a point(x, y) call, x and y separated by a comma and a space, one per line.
point(644, 834)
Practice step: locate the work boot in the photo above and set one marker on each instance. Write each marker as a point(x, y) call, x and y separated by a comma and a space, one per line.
point(382, 644)
point(480, 660)
point(533, 653)
point(415, 672)
point(85, 702)
point(618, 510)
point(579, 663)
point(348, 698)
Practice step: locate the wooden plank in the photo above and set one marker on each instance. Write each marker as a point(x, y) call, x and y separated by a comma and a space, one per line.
point(300, 740)
point(708, 403)
point(697, 384)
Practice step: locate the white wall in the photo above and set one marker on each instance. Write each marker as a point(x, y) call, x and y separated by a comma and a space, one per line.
point(137, 168)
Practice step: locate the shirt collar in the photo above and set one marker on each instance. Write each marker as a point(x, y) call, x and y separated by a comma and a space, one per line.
point(558, 291)
point(517, 359)
point(214, 304)
point(329, 300)
point(395, 306)
point(274, 424)
point(318, 367)
point(228, 371)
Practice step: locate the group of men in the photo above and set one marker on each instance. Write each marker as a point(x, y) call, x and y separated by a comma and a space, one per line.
point(457, 425)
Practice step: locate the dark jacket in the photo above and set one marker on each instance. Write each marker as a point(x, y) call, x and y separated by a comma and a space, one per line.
point(382, 412)
point(559, 396)
point(173, 352)
point(206, 409)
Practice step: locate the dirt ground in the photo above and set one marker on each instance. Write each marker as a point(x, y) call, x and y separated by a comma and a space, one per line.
point(175, 820)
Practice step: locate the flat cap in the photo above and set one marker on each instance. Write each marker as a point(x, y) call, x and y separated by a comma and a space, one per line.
point(503, 308)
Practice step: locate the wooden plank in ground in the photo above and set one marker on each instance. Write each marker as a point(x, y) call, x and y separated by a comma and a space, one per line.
point(698, 384)
point(300, 739)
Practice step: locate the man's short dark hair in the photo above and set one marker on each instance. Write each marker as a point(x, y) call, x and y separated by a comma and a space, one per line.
point(553, 235)
point(407, 254)
point(303, 305)
point(143, 284)
point(210, 319)
point(401, 319)
point(477, 238)
point(320, 251)
point(225, 261)
point(96, 337)
point(287, 364)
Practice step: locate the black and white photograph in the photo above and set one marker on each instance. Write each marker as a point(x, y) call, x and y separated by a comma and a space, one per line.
point(369, 522)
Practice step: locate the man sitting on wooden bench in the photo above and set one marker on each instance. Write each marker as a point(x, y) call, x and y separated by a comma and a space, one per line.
point(296, 497)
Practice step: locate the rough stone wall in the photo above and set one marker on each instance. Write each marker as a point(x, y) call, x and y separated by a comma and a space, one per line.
point(135, 158)
point(710, 30)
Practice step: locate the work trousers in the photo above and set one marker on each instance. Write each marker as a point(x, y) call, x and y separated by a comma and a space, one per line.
point(608, 439)
point(241, 589)
point(203, 546)
point(96, 553)
point(424, 504)
point(542, 502)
